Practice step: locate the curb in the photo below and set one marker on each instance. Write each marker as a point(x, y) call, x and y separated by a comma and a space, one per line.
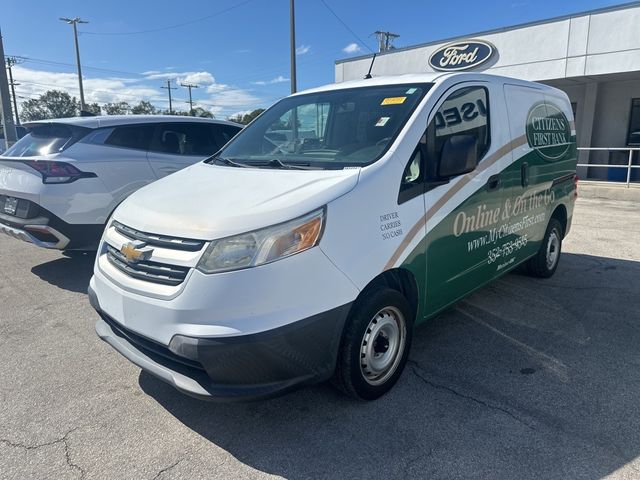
point(611, 191)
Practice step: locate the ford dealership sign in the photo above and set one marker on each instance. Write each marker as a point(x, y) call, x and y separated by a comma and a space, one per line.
point(461, 55)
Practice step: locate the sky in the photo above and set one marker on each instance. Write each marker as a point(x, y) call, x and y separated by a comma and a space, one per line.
point(236, 51)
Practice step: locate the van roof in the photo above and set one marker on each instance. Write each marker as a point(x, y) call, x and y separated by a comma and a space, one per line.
point(113, 120)
point(410, 78)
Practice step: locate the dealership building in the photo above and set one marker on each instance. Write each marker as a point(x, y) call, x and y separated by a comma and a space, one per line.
point(593, 56)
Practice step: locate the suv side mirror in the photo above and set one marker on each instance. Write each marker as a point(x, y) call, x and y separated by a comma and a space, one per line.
point(459, 155)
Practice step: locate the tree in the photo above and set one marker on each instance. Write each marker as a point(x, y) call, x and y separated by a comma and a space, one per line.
point(197, 112)
point(247, 117)
point(144, 108)
point(93, 108)
point(51, 104)
point(117, 108)
point(201, 112)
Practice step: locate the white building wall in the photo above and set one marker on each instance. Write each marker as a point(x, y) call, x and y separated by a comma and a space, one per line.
point(592, 44)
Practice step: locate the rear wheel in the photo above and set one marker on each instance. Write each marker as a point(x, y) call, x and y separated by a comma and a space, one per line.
point(545, 262)
point(375, 344)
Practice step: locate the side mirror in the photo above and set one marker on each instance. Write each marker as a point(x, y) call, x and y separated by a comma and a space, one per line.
point(459, 155)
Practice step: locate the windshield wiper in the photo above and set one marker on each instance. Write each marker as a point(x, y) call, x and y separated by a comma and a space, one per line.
point(277, 163)
point(227, 161)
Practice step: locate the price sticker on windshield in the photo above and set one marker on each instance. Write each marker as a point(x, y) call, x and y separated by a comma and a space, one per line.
point(393, 100)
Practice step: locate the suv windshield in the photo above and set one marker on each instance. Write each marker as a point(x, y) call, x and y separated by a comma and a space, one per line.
point(45, 139)
point(333, 129)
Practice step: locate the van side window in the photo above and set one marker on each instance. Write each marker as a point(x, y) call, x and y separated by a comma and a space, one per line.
point(464, 112)
point(414, 175)
point(131, 136)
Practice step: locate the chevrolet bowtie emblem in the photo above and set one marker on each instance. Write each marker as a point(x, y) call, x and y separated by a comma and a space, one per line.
point(135, 252)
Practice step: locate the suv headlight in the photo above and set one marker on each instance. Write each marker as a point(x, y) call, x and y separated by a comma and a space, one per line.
point(263, 246)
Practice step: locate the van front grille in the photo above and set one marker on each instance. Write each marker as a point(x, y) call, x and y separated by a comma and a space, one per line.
point(146, 270)
point(163, 241)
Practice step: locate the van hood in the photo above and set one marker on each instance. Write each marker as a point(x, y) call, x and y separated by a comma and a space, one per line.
point(207, 202)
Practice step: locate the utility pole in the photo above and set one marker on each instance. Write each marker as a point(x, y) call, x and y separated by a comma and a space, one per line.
point(385, 40)
point(11, 61)
point(10, 136)
point(75, 22)
point(190, 86)
point(292, 29)
point(169, 88)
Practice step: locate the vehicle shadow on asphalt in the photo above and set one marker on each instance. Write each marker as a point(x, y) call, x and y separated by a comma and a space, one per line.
point(526, 378)
point(68, 273)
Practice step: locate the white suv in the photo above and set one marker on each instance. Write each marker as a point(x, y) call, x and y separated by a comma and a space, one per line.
point(60, 183)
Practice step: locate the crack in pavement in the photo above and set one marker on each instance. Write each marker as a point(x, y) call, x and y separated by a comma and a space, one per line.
point(417, 369)
point(65, 442)
point(407, 468)
point(166, 469)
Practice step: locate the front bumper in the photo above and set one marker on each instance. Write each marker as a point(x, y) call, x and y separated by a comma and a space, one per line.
point(235, 368)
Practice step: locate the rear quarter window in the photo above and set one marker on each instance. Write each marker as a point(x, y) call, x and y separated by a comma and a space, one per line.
point(224, 133)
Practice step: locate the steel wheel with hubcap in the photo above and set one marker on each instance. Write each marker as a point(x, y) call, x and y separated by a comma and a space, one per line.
point(375, 345)
point(382, 343)
point(544, 263)
point(553, 249)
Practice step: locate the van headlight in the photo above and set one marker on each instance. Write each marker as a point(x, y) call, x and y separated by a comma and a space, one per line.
point(263, 246)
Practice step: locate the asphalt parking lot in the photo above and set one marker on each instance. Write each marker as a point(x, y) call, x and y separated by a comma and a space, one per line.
point(524, 379)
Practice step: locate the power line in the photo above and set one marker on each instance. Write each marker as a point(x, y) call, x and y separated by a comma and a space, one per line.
point(169, 27)
point(53, 62)
point(346, 26)
point(310, 59)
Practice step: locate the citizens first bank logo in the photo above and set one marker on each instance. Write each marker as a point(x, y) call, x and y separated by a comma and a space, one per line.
point(548, 131)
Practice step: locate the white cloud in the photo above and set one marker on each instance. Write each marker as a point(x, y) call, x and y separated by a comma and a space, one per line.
point(101, 90)
point(278, 79)
point(219, 98)
point(227, 96)
point(302, 49)
point(199, 78)
point(352, 48)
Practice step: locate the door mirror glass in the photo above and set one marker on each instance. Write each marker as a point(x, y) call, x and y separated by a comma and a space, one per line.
point(459, 155)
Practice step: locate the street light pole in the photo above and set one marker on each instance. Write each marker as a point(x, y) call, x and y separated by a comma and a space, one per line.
point(292, 29)
point(74, 22)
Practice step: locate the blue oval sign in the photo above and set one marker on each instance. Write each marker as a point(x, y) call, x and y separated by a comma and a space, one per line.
point(461, 55)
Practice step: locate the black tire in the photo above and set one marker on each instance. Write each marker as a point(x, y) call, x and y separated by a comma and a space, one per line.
point(540, 265)
point(387, 307)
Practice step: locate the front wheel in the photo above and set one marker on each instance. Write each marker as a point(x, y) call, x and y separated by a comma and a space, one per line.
point(375, 344)
point(545, 262)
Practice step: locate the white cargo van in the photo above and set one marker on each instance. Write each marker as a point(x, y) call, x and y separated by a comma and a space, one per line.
point(313, 243)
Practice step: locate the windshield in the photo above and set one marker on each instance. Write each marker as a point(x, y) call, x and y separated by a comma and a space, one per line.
point(334, 129)
point(45, 139)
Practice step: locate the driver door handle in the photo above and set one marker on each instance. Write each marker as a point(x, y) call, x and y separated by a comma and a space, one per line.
point(493, 182)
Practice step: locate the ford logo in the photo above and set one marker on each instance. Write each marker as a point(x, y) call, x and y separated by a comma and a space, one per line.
point(461, 55)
